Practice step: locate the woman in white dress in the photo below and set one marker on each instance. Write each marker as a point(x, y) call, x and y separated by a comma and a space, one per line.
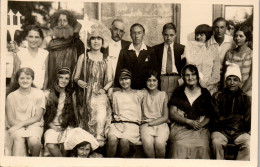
point(33, 57)
point(205, 58)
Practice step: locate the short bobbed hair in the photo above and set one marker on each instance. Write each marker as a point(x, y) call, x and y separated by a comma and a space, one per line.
point(247, 31)
point(204, 29)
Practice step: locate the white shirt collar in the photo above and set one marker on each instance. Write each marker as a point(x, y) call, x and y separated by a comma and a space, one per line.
point(227, 38)
point(118, 43)
point(143, 47)
point(171, 45)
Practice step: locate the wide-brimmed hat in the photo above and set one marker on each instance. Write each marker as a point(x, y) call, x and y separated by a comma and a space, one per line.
point(78, 135)
point(99, 30)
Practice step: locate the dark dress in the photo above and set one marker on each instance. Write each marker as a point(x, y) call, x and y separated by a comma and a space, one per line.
point(187, 143)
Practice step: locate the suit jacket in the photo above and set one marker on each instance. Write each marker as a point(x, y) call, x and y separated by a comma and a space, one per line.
point(178, 51)
point(125, 45)
point(138, 66)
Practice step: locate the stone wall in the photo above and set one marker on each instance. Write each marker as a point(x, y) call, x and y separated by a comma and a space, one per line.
point(152, 16)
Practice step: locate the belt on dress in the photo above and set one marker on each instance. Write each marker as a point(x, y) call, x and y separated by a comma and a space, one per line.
point(126, 122)
point(170, 74)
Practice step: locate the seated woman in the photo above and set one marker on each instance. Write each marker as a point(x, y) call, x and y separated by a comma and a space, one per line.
point(205, 58)
point(24, 111)
point(190, 110)
point(127, 116)
point(242, 56)
point(59, 117)
point(154, 130)
point(82, 144)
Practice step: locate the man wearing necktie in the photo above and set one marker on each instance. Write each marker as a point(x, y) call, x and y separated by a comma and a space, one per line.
point(139, 58)
point(169, 62)
point(115, 47)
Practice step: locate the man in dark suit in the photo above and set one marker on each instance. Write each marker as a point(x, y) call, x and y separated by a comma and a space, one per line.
point(139, 59)
point(169, 61)
point(115, 47)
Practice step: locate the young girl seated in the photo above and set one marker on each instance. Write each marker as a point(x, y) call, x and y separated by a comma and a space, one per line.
point(154, 130)
point(127, 115)
point(59, 117)
point(82, 144)
point(24, 110)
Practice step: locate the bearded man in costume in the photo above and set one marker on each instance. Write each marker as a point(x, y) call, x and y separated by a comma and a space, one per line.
point(64, 46)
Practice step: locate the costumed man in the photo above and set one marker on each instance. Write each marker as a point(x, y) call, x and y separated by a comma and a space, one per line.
point(115, 47)
point(139, 58)
point(64, 46)
point(169, 60)
point(232, 118)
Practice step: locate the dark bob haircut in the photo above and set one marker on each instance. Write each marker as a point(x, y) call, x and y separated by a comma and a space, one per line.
point(247, 31)
point(204, 29)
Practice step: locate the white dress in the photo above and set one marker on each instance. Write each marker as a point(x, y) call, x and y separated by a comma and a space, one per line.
point(23, 108)
point(37, 64)
point(207, 61)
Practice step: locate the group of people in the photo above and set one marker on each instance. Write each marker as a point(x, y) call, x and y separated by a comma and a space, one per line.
point(176, 101)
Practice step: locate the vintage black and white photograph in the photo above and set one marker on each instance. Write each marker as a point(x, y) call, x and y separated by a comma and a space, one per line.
point(129, 83)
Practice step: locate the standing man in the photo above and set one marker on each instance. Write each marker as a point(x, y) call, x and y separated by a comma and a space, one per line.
point(232, 120)
point(222, 42)
point(64, 46)
point(139, 58)
point(169, 62)
point(115, 47)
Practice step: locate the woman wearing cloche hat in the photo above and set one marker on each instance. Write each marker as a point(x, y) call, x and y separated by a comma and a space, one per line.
point(93, 76)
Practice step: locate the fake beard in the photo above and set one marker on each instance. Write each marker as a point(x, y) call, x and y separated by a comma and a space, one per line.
point(63, 31)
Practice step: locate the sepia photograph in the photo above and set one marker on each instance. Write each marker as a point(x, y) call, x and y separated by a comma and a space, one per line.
point(129, 83)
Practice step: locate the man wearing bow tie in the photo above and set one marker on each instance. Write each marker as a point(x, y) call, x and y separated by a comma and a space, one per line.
point(139, 58)
point(169, 61)
point(115, 47)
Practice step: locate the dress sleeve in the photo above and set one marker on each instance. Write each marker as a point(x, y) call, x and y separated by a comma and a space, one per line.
point(41, 100)
point(141, 94)
point(228, 57)
point(114, 103)
point(109, 72)
point(79, 68)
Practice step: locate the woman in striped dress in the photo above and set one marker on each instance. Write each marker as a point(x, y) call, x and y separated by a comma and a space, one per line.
point(242, 55)
point(94, 77)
